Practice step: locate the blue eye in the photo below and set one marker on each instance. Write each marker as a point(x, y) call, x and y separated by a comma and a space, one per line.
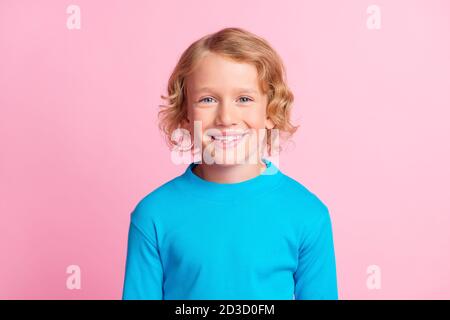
point(246, 98)
point(202, 100)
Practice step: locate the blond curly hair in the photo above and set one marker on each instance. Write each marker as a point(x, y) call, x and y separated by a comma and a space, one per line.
point(241, 46)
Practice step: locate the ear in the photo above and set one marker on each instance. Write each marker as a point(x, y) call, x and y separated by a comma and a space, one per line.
point(269, 123)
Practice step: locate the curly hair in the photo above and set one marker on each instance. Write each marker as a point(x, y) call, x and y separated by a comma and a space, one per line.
point(241, 46)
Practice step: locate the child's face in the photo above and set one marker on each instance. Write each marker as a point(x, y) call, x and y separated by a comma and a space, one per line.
point(225, 95)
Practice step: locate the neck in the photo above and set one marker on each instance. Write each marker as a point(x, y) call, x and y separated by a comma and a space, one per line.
point(229, 173)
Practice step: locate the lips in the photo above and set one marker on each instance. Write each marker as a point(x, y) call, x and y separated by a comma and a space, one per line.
point(228, 138)
point(229, 135)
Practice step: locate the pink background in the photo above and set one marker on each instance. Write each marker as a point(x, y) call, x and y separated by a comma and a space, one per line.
point(80, 146)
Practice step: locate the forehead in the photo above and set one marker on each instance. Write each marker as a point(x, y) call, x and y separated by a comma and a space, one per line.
point(215, 72)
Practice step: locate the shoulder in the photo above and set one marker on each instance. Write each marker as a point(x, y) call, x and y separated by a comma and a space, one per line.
point(309, 212)
point(304, 201)
point(150, 207)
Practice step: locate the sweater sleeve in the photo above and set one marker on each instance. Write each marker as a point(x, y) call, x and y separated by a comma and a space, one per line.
point(143, 271)
point(315, 276)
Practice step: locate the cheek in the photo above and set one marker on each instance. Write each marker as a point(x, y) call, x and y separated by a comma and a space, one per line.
point(255, 117)
point(203, 120)
point(204, 115)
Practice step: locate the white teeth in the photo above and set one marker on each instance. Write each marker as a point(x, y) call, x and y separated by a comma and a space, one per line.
point(227, 138)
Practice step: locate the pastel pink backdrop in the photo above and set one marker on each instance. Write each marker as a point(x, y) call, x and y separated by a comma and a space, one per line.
point(80, 146)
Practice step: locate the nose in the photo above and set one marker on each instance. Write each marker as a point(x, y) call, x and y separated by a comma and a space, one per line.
point(227, 115)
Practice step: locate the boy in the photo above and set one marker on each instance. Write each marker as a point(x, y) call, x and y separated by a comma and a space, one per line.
point(232, 226)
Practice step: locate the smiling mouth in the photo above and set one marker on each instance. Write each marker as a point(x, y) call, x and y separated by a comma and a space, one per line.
point(228, 140)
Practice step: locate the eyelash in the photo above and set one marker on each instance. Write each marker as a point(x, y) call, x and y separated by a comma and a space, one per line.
point(249, 99)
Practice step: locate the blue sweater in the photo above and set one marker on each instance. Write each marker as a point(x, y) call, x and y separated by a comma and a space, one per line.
point(264, 238)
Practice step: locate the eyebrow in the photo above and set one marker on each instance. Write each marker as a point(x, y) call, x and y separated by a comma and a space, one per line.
point(249, 90)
